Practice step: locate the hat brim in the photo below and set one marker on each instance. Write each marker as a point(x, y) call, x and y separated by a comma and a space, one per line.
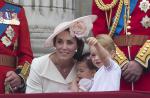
point(65, 25)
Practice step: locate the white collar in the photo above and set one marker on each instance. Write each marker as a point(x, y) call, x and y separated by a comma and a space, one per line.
point(51, 72)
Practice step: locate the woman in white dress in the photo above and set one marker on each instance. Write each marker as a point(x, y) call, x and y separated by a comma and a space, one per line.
point(55, 71)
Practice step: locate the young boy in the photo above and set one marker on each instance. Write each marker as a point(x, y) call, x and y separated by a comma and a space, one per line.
point(85, 74)
point(107, 78)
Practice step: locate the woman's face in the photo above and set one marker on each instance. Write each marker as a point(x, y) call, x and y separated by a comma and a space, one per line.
point(66, 45)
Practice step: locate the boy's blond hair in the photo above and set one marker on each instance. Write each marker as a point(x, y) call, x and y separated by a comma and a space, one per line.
point(106, 41)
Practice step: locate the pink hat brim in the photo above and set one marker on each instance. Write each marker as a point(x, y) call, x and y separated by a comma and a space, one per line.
point(63, 26)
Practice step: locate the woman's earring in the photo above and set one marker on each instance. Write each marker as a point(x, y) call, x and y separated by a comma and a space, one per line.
point(76, 50)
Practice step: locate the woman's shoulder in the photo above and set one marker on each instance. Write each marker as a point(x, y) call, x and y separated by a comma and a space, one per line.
point(37, 63)
point(42, 57)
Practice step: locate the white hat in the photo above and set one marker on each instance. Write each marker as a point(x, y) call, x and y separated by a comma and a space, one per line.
point(79, 27)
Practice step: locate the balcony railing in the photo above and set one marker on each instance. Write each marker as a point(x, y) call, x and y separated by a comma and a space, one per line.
point(117, 94)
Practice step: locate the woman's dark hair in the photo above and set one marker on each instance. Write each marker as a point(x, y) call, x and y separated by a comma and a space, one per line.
point(80, 46)
point(86, 58)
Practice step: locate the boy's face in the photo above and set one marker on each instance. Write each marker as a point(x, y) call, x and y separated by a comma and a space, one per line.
point(95, 58)
point(83, 71)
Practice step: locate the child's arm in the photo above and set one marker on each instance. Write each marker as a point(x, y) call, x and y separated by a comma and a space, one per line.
point(102, 52)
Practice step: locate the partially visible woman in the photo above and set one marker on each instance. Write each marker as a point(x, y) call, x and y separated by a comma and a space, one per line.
point(55, 71)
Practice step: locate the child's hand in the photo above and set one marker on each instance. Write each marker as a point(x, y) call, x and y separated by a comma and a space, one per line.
point(91, 41)
point(77, 79)
point(74, 86)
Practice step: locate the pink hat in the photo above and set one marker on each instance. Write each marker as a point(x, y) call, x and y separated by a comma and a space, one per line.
point(79, 27)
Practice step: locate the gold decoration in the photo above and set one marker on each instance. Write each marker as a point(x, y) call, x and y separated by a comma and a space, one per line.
point(126, 2)
point(120, 57)
point(105, 7)
point(144, 54)
point(115, 23)
point(25, 70)
point(11, 2)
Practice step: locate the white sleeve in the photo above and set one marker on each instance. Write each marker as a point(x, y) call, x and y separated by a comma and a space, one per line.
point(107, 78)
point(114, 72)
point(112, 65)
point(85, 84)
point(34, 81)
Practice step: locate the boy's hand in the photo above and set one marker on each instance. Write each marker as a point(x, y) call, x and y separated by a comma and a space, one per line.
point(91, 41)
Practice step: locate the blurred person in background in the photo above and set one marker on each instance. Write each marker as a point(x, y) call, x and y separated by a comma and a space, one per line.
point(15, 48)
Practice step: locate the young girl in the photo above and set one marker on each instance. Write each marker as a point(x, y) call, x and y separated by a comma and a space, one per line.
point(107, 78)
point(85, 74)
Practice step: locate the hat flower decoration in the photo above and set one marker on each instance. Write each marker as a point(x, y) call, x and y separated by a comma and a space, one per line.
point(79, 30)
